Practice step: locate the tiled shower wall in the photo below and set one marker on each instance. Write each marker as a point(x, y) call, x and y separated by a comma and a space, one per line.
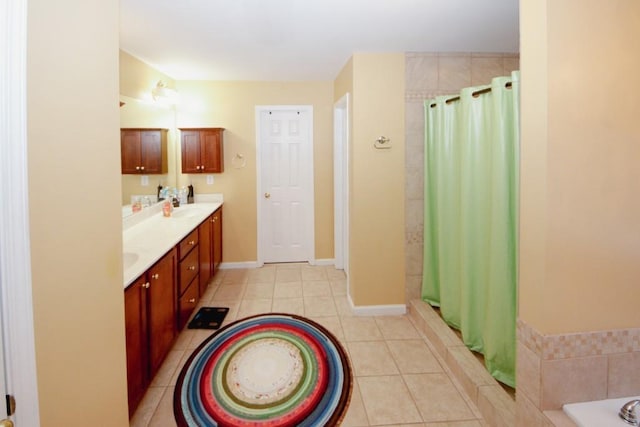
point(428, 75)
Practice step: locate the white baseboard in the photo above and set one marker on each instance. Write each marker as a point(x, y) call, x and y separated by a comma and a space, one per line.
point(239, 265)
point(326, 261)
point(377, 310)
point(254, 264)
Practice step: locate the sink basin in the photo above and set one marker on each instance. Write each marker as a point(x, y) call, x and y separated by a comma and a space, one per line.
point(129, 258)
point(186, 213)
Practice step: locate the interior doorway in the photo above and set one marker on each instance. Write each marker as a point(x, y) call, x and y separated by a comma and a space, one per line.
point(341, 183)
point(285, 196)
point(17, 348)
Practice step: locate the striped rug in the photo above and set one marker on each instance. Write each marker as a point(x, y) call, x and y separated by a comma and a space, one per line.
point(270, 370)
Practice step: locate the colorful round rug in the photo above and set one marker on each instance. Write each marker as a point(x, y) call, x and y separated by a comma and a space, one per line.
point(270, 370)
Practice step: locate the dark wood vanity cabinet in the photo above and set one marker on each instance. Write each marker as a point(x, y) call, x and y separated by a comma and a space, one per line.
point(210, 233)
point(202, 150)
point(143, 151)
point(150, 313)
point(188, 277)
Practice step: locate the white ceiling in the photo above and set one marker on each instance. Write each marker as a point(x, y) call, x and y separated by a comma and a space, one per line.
point(289, 40)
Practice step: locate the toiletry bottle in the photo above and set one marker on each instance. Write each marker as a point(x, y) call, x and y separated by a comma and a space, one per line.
point(167, 207)
point(190, 194)
point(160, 197)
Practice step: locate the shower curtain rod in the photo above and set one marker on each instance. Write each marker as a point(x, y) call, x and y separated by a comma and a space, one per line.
point(474, 94)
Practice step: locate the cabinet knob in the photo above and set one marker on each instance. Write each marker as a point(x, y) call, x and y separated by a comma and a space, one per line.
point(137, 168)
point(192, 242)
point(197, 168)
point(192, 267)
point(155, 276)
point(192, 300)
point(145, 285)
point(141, 168)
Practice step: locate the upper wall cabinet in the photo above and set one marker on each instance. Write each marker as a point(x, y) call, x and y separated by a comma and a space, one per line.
point(202, 150)
point(143, 151)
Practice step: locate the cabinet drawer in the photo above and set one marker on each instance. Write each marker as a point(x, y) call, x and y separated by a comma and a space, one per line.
point(188, 243)
point(187, 303)
point(189, 268)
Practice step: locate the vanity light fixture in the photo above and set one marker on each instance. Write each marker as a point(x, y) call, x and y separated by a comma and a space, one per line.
point(164, 95)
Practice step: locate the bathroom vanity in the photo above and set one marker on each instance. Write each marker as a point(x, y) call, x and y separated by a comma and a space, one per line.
point(168, 263)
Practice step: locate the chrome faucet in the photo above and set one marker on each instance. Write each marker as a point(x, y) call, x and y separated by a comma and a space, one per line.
point(629, 412)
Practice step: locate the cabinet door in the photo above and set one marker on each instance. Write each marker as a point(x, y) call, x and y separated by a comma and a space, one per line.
point(189, 267)
point(211, 151)
point(217, 240)
point(162, 309)
point(130, 151)
point(205, 242)
point(137, 344)
point(187, 303)
point(151, 152)
point(190, 149)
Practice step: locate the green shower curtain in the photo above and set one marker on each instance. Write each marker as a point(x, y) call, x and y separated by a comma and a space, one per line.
point(470, 217)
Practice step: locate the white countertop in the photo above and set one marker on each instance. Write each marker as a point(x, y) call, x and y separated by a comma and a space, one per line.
point(148, 236)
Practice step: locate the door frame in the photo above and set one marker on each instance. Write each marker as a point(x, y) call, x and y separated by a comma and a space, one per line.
point(341, 183)
point(16, 301)
point(309, 253)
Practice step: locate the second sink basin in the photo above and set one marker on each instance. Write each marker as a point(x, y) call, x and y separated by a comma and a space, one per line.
point(186, 212)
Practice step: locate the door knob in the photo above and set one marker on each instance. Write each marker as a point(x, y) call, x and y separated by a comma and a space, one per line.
point(6, 423)
point(267, 195)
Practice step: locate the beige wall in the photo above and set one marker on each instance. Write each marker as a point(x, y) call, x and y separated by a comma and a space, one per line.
point(75, 220)
point(376, 204)
point(137, 78)
point(580, 233)
point(231, 105)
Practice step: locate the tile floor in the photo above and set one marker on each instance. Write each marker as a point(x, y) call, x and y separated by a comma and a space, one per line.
point(398, 379)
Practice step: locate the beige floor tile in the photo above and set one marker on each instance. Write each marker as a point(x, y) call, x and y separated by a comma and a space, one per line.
point(319, 306)
point(338, 287)
point(414, 357)
point(377, 347)
point(288, 305)
point(334, 274)
point(470, 423)
point(230, 292)
point(258, 290)
point(437, 398)
point(288, 290)
point(163, 416)
point(168, 368)
point(314, 272)
point(252, 307)
point(387, 400)
point(397, 328)
point(199, 335)
point(262, 275)
point(356, 416)
point(371, 358)
point(182, 342)
point(316, 288)
point(361, 329)
point(331, 323)
point(288, 275)
point(343, 306)
point(235, 276)
point(147, 407)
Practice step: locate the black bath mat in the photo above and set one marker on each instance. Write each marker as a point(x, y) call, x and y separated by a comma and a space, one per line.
point(208, 318)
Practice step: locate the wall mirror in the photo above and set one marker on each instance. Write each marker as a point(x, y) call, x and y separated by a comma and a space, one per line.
point(135, 113)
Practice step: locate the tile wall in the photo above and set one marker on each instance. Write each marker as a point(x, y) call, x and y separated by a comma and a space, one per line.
point(556, 369)
point(428, 75)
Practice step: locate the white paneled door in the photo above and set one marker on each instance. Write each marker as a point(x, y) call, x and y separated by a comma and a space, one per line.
point(285, 184)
